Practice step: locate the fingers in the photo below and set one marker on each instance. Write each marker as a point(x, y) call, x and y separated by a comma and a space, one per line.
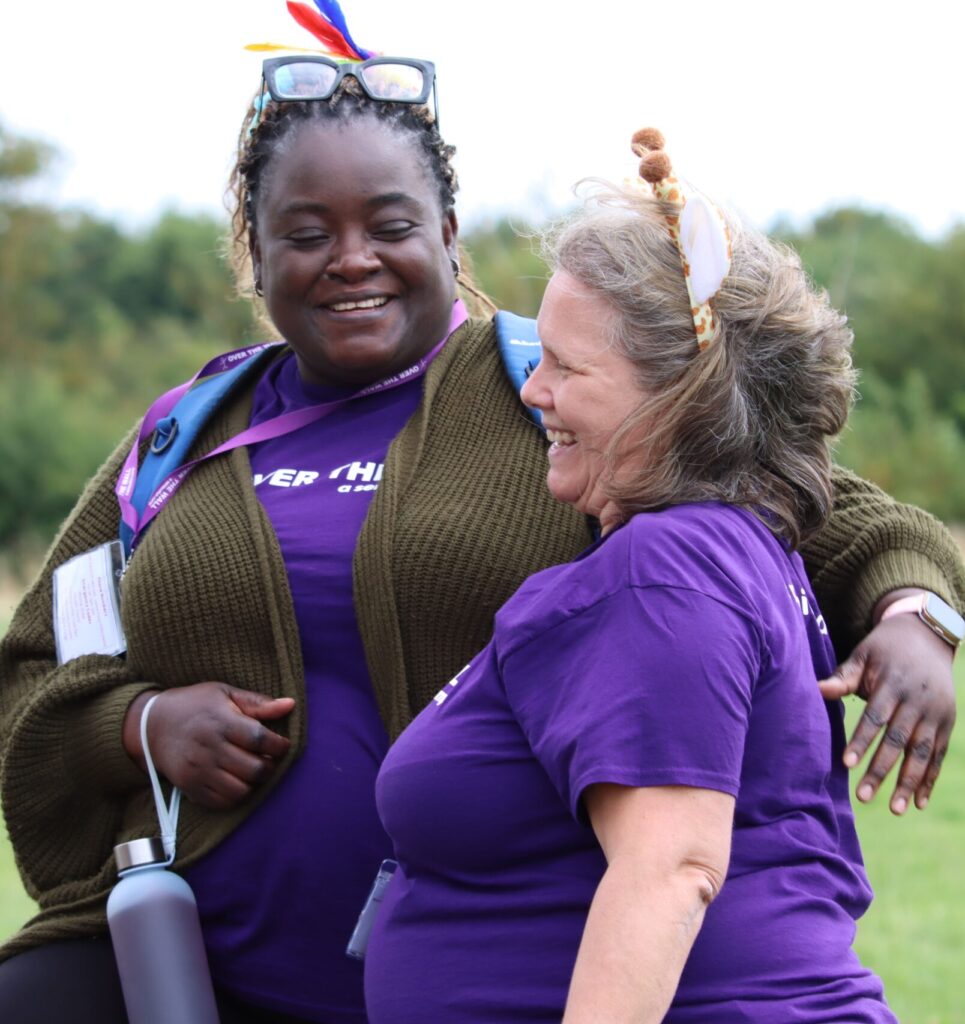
point(219, 791)
point(907, 734)
point(257, 705)
point(232, 780)
point(906, 675)
point(846, 678)
point(904, 735)
point(249, 734)
point(876, 715)
point(203, 741)
point(924, 790)
point(923, 756)
point(914, 770)
point(220, 786)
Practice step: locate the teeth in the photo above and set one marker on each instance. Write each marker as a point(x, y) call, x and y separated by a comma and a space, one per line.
point(561, 437)
point(344, 307)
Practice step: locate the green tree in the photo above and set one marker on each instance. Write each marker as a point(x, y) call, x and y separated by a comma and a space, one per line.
point(94, 322)
point(506, 262)
point(21, 159)
point(897, 438)
point(902, 294)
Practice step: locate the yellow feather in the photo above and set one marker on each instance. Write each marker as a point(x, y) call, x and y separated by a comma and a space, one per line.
point(271, 47)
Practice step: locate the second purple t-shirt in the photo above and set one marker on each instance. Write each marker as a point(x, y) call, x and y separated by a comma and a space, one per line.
point(683, 649)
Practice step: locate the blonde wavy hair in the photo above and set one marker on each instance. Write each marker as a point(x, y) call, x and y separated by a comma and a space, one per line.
point(749, 421)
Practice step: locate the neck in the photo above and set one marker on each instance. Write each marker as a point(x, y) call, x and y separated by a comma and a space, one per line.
point(610, 518)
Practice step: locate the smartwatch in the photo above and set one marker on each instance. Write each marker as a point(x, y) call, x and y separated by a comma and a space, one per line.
point(934, 612)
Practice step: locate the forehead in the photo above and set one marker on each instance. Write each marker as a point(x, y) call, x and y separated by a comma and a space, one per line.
point(344, 163)
point(574, 319)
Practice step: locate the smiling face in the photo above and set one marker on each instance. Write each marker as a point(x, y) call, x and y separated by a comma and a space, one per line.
point(585, 389)
point(352, 251)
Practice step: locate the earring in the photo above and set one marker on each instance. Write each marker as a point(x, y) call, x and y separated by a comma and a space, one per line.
point(454, 263)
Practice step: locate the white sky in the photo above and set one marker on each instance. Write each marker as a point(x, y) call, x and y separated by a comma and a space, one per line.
point(767, 106)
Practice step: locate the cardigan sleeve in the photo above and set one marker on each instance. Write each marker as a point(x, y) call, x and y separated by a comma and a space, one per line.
point(871, 545)
point(63, 768)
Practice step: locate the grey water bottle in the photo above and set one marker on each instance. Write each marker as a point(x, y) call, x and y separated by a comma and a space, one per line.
point(153, 920)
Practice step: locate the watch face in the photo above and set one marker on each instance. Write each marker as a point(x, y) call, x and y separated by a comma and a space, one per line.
point(946, 618)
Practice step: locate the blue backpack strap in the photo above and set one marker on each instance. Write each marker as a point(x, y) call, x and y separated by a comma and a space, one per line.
point(176, 433)
point(519, 348)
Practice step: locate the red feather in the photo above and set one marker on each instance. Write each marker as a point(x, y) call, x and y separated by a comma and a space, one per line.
point(322, 30)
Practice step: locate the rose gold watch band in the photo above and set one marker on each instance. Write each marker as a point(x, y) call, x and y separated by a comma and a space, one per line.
point(915, 603)
point(938, 616)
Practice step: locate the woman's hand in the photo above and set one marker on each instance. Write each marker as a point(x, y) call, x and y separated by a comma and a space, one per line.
point(208, 740)
point(904, 672)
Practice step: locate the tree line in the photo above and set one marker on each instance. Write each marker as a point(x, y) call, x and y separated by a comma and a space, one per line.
point(95, 320)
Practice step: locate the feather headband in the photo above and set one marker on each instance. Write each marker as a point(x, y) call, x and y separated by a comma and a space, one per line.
point(328, 26)
point(698, 229)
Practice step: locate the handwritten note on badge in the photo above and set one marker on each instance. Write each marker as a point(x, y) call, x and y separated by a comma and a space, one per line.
point(87, 616)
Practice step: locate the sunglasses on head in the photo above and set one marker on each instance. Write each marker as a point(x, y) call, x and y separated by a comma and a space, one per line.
point(389, 79)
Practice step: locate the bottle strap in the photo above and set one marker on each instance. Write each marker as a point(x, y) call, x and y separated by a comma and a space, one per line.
point(167, 816)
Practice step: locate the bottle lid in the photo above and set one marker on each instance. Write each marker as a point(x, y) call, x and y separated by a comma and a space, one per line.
point(139, 853)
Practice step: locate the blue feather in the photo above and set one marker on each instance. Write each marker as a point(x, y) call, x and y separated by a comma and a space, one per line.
point(331, 10)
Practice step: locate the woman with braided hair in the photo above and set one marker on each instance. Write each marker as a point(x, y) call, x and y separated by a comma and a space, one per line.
point(300, 593)
point(631, 806)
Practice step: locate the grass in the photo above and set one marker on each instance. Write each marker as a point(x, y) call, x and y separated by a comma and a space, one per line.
point(914, 934)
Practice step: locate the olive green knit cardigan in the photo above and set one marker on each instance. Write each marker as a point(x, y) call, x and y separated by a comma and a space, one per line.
point(461, 517)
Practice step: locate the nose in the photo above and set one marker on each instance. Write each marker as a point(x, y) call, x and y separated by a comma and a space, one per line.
point(352, 258)
point(534, 392)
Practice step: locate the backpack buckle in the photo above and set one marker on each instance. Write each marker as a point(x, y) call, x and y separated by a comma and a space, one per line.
point(164, 433)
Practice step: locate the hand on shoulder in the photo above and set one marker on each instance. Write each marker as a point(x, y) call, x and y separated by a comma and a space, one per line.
point(904, 672)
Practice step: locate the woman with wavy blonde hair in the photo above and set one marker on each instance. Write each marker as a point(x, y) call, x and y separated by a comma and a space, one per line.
point(631, 806)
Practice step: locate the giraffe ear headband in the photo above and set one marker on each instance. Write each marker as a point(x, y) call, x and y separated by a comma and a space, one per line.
point(697, 228)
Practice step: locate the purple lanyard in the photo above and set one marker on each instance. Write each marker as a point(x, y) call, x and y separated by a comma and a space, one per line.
point(275, 427)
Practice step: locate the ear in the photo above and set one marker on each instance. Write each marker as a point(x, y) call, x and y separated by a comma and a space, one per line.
point(254, 250)
point(450, 233)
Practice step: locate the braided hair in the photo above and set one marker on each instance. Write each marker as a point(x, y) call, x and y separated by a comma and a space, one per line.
point(266, 133)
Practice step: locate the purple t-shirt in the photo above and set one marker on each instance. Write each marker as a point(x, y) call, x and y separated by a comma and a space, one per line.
point(280, 896)
point(683, 649)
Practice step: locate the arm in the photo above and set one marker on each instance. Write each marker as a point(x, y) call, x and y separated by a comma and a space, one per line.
point(870, 546)
point(64, 772)
point(667, 849)
point(870, 550)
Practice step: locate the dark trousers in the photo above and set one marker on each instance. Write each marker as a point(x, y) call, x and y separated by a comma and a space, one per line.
point(76, 983)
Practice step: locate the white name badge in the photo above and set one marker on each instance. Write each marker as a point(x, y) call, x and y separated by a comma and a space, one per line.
point(87, 603)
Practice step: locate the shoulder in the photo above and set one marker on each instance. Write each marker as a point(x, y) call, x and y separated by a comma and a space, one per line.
point(706, 555)
point(469, 364)
point(471, 341)
point(709, 542)
point(721, 551)
point(471, 401)
point(222, 405)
